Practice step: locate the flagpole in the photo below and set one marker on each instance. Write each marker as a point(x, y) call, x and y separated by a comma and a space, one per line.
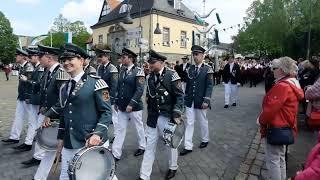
point(51, 38)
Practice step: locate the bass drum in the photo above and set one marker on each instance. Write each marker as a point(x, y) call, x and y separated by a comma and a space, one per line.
point(47, 137)
point(94, 163)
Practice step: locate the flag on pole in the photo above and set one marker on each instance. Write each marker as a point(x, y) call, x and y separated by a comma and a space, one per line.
point(68, 37)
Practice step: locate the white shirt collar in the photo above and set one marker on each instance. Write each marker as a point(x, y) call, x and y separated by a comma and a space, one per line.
point(37, 64)
point(161, 71)
point(130, 67)
point(24, 63)
point(53, 67)
point(199, 66)
point(78, 77)
point(106, 64)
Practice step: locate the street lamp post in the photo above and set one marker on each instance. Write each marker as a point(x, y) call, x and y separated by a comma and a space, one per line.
point(128, 20)
point(309, 32)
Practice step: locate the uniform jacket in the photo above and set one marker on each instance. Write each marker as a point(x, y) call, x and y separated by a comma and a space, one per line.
point(183, 73)
point(110, 75)
point(234, 77)
point(165, 98)
point(24, 88)
point(199, 86)
point(90, 70)
point(84, 111)
point(312, 166)
point(130, 89)
point(35, 81)
point(50, 88)
point(280, 105)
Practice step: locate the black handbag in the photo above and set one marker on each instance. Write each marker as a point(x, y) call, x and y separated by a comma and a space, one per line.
point(280, 136)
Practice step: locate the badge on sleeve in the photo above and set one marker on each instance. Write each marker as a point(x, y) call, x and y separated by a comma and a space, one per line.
point(179, 84)
point(105, 95)
point(141, 80)
point(210, 76)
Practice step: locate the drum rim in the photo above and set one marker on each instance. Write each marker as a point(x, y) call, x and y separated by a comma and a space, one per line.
point(38, 135)
point(171, 143)
point(78, 155)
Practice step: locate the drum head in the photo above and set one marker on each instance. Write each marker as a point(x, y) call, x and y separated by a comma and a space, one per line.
point(178, 135)
point(97, 163)
point(47, 137)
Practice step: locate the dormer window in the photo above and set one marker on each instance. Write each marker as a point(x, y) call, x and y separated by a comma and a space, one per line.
point(105, 10)
point(124, 8)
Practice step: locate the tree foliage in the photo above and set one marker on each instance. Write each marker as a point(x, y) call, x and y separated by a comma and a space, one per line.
point(61, 26)
point(279, 28)
point(8, 41)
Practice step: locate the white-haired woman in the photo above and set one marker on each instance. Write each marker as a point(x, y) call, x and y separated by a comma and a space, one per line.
point(279, 111)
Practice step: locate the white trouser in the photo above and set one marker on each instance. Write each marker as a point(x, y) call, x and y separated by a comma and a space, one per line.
point(123, 119)
point(184, 85)
point(149, 155)
point(45, 165)
point(34, 110)
point(201, 115)
point(39, 153)
point(275, 161)
point(230, 92)
point(17, 126)
point(67, 156)
point(114, 121)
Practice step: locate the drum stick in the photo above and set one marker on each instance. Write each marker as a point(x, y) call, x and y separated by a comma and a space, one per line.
point(57, 163)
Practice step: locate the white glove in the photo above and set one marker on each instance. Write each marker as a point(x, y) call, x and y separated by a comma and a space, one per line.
point(238, 84)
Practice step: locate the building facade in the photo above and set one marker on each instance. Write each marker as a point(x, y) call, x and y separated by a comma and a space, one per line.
point(176, 22)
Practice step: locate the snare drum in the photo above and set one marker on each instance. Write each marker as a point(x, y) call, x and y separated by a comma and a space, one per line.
point(47, 137)
point(173, 134)
point(94, 163)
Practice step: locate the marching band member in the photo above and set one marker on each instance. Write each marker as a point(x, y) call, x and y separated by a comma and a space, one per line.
point(165, 104)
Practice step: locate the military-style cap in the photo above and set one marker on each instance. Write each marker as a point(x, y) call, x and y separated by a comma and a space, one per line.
point(33, 52)
point(101, 52)
point(197, 49)
point(185, 57)
point(21, 52)
point(154, 56)
point(126, 51)
point(48, 50)
point(70, 50)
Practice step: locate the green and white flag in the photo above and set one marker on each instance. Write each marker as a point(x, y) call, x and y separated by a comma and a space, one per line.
point(68, 37)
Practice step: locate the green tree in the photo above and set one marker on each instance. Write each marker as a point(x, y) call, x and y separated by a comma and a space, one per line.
point(279, 27)
point(8, 41)
point(62, 25)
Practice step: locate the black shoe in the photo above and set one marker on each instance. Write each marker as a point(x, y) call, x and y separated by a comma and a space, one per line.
point(23, 147)
point(139, 179)
point(170, 174)
point(226, 106)
point(185, 152)
point(234, 104)
point(139, 152)
point(10, 141)
point(111, 141)
point(203, 144)
point(31, 162)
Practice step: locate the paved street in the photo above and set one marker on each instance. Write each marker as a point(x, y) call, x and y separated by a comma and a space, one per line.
point(232, 131)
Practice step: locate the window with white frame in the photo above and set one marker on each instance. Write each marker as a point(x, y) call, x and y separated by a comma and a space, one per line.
point(197, 39)
point(166, 36)
point(100, 39)
point(183, 39)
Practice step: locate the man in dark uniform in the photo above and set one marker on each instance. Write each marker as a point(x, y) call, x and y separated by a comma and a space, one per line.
point(231, 81)
point(183, 71)
point(128, 103)
point(34, 101)
point(49, 91)
point(84, 100)
point(109, 73)
point(88, 69)
point(197, 100)
point(23, 108)
point(165, 104)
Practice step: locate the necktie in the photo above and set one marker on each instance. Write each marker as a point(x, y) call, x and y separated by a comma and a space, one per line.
point(125, 72)
point(196, 71)
point(157, 80)
point(73, 85)
point(48, 77)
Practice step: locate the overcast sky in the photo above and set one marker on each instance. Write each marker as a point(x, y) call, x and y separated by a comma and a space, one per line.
point(35, 17)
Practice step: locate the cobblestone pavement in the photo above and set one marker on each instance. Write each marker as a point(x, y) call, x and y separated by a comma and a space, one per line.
point(231, 132)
